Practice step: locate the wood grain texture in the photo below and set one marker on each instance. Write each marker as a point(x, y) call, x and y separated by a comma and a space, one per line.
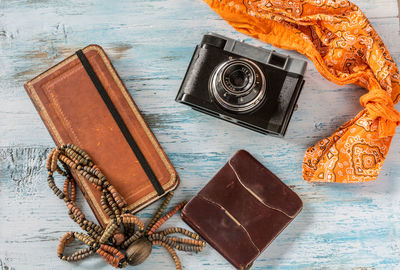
point(150, 43)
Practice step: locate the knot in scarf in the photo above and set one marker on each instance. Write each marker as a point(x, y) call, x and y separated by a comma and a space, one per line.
point(380, 107)
point(345, 49)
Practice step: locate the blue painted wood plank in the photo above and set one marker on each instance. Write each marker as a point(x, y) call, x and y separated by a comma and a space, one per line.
point(150, 43)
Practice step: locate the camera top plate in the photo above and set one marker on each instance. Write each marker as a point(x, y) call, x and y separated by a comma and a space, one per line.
point(259, 54)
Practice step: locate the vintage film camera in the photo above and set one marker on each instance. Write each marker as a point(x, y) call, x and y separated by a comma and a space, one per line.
point(250, 86)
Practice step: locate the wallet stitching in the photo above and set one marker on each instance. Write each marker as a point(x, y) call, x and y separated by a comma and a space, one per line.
point(232, 218)
point(256, 196)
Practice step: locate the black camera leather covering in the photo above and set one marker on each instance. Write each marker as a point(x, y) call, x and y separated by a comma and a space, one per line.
point(283, 77)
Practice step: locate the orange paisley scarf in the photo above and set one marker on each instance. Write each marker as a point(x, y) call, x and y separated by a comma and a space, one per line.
point(345, 49)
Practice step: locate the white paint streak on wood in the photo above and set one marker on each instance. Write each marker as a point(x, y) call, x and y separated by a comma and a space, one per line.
point(150, 43)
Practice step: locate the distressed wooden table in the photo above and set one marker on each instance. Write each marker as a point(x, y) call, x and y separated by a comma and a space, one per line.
point(150, 42)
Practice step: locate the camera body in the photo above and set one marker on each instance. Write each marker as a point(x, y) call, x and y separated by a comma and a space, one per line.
point(250, 86)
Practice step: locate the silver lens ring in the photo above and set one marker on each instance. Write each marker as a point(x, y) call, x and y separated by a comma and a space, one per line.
point(244, 94)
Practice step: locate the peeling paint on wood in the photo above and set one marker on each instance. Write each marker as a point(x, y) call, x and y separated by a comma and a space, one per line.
point(150, 43)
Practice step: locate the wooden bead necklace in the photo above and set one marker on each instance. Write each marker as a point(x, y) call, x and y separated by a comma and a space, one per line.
point(125, 240)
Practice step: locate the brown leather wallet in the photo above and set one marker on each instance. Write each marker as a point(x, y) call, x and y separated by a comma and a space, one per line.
point(242, 209)
point(83, 101)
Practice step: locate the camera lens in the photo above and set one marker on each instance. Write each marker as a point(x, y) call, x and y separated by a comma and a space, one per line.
point(238, 85)
point(237, 78)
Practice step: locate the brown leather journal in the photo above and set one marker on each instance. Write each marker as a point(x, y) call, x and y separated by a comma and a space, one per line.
point(83, 101)
point(242, 209)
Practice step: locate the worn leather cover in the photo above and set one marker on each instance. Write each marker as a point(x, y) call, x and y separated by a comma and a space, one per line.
point(73, 112)
point(242, 209)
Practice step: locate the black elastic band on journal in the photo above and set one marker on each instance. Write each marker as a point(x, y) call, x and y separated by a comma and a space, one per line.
point(121, 124)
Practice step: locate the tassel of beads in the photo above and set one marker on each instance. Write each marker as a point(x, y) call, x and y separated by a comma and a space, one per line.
point(75, 210)
point(117, 197)
point(188, 241)
point(79, 151)
point(54, 160)
point(180, 230)
point(184, 245)
point(65, 171)
point(71, 157)
point(64, 240)
point(106, 207)
point(171, 252)
point(69, 162)
point(112, 256)
point(162, 220)
point(92, 229)
point(76, 156)
point(160, 210)
point(69, 190)
point(80, 254)
point(108, 232)
point(113, 205)
point(131, 219)
point(132, 239)
point(52, 185)
point(129, 228)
